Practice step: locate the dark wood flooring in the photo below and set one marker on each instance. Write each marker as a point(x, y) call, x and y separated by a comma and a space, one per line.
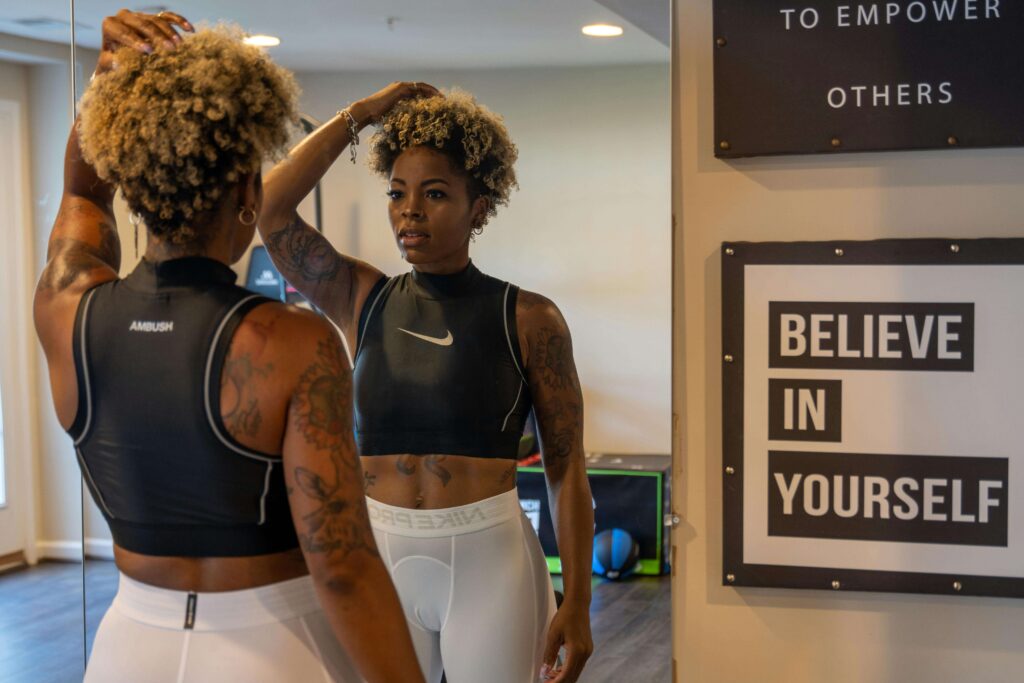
point(42, 630)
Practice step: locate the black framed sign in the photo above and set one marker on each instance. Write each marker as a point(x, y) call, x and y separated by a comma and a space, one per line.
point(847, 75)
point(873, 407)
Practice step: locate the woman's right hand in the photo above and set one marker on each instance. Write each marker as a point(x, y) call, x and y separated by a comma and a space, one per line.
point(371, 109)
point(139, 31)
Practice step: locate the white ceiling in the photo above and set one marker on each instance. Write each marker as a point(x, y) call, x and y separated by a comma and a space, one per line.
point(335, 35)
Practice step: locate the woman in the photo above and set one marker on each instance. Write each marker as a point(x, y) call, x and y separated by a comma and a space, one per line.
point(212, 426)
point(448, 362)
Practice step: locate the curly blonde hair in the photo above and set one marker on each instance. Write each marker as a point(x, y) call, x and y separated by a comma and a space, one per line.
point(175, 128)
point(474, 138)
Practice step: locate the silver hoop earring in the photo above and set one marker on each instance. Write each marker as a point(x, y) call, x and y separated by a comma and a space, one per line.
point(247, 216)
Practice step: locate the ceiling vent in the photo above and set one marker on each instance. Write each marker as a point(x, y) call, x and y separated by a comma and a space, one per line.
point(48, 24)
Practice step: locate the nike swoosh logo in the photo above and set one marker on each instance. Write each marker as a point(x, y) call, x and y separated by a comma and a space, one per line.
point(440, 341)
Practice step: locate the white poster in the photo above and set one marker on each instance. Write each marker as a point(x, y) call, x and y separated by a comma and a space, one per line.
point(880, 417)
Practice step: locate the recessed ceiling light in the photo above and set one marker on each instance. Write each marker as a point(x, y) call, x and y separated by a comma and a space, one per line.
point(602, 30)
point(262, 41)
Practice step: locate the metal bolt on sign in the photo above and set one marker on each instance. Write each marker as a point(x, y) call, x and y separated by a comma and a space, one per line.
point(730, 470)
point(836, 585)
point(728, 358)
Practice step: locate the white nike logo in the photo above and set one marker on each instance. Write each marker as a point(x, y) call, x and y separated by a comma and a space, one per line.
point(440, 341)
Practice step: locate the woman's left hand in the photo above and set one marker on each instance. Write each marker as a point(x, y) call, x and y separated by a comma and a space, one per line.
point(139, 31)
point(371, 109)
point(570, 628)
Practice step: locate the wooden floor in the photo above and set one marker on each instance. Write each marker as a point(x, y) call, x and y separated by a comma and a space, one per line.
point(41, 625)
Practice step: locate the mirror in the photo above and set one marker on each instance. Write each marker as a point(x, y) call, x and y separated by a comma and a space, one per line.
point(41, 624)
point(589, 228)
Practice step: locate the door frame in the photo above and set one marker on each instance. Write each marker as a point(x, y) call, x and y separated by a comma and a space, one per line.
point(16, 282)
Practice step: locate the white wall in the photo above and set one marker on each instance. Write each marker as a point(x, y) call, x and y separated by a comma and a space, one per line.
point(57, 475)
point(589, 227)
point(737, 635)
point(58, 512)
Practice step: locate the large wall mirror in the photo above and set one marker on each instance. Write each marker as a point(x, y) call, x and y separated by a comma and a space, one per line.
point(589, 226)
point(41, 595)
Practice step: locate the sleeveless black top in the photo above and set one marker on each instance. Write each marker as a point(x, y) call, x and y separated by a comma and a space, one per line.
point(154, 452)
point(438, 368)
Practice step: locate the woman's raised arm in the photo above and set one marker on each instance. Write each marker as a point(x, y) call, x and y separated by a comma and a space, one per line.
point(333, 282)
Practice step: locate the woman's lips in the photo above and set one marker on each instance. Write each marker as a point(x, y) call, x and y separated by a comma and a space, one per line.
point(412, 238)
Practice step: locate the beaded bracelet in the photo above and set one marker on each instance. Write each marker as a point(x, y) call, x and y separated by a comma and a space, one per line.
point(353, 131)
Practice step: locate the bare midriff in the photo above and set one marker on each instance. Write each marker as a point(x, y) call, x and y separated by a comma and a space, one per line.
point(211, 574)
point(430, 482)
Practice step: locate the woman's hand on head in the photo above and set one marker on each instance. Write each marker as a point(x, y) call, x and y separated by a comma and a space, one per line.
point(371, 109)
point(139, 31)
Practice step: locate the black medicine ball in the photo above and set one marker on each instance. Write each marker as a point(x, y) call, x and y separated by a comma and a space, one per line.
point(615, 554)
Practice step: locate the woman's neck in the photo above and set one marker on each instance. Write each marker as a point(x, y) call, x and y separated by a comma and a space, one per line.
point(158, 250)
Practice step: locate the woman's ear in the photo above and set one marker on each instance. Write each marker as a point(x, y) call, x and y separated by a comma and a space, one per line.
point(250, 191)
point(480, 207)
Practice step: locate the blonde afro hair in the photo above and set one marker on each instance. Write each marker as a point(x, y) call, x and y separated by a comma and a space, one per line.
point(474, 138)
point(175, 128)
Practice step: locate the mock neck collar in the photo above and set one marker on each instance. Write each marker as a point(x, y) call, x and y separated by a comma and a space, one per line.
point(448, 285)
point(190, 271)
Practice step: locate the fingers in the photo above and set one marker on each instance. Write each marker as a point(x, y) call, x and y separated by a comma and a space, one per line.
point(572, 668)
point(143, 31)
point(424, 90)
point(166, 28)
point(155, 32)
point(551, 648)
point(177, 19)
point(409, 89)
point(118, 33)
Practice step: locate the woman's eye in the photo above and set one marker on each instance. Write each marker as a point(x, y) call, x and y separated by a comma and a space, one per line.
point(394, 194)
point(435, 194)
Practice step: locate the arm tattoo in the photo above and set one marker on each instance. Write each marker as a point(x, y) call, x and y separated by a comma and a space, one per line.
point(527, 300)
point(322, 409)
point(432, 463)
point(70, 257)
point(554, 359)
point(559, 403)
point(242, 417)
point(305, 253)
point(324, 405)
point(559, 422)
point(368, 481)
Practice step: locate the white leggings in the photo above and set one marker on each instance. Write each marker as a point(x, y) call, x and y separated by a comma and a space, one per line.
point(268, 634)
point(474, 585)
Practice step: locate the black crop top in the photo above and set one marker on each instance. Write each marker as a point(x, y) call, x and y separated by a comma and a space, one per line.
point(154, 451)
point(438, 367)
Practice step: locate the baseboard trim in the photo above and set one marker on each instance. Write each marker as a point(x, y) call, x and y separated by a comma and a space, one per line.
point(65, 551)
point(71, 551)
point(99, 548)
point(11, 561)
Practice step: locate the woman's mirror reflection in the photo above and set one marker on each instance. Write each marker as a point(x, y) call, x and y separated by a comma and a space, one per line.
point(449, 362)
